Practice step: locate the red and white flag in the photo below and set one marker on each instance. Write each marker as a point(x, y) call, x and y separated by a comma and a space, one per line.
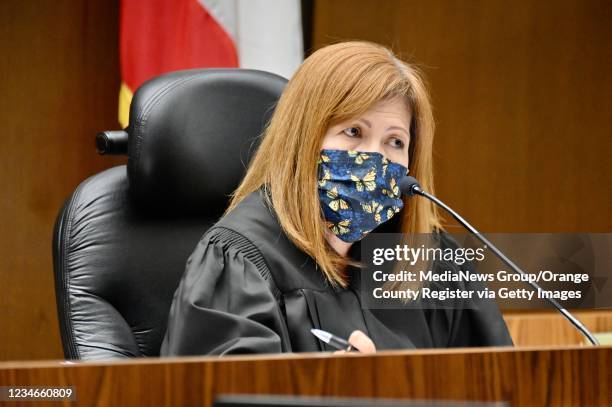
point(158, 36)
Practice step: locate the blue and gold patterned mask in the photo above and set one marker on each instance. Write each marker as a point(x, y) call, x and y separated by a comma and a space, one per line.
point(358, 191)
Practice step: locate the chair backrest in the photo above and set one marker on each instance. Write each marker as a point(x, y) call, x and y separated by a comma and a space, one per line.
point(122, 238)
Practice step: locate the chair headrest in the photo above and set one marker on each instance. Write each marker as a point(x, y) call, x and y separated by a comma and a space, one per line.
point(192, 134)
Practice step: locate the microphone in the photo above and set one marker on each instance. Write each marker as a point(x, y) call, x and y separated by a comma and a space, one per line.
point(410, 186)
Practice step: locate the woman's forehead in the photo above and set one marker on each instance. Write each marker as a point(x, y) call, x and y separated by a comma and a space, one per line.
point(396, 109)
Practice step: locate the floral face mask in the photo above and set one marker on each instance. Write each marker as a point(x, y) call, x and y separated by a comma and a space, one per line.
point(358, 191)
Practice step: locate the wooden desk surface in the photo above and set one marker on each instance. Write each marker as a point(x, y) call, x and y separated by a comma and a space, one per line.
point(538, 376)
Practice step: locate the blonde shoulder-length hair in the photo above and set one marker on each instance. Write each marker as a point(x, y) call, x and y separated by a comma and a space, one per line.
point(336, 83)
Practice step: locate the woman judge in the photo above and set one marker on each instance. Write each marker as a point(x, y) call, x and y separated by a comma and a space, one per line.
point(351, 122)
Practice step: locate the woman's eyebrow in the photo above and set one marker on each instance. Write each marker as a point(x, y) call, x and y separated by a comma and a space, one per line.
point(398, 128)
point(365, 121)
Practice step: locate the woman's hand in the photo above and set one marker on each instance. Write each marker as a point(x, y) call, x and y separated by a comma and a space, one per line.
point(361, 342)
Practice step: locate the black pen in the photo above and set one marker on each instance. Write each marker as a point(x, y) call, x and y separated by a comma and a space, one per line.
point(332, 340)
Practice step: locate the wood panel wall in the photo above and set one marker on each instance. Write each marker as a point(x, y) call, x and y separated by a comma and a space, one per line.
point(550, 328)
point(59, 79)
point(522, 92)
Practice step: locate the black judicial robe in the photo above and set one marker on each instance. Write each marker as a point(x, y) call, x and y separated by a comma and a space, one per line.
point(248, 289)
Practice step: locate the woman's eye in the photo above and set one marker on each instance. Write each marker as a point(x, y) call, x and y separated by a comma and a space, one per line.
point(352, 131)
point(397, 143)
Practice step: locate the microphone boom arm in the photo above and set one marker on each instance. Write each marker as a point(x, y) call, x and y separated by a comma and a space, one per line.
point(415, 189)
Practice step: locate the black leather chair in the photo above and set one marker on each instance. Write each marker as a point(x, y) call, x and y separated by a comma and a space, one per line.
point(122, 239)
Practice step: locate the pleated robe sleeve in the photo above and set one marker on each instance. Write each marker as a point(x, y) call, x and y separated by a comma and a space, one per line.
point(482, 324)
point(477, 322)
point(223, 305)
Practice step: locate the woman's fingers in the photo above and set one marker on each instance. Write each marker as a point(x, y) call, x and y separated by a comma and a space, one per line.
point(361, 342)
